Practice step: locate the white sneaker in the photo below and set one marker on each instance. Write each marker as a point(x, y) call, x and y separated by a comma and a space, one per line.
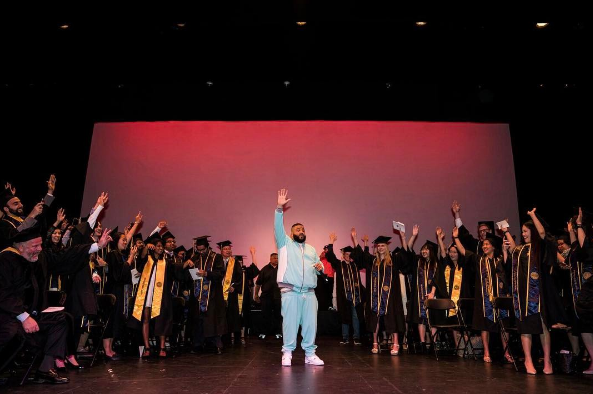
point(286, 359)
point(262, 336)
point(313, 360)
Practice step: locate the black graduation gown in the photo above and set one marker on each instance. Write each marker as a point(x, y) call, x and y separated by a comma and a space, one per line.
point(249, 275)
point(23, 284)
point(499, 287)
point(232, 306)
point(394, 317)
point(214, 319)
point(118, 275)
point(467, 281)
point(345, 306)
point(415, 299)
point(162, 325)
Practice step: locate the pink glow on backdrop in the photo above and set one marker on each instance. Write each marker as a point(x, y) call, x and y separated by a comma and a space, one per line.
point(221, 178)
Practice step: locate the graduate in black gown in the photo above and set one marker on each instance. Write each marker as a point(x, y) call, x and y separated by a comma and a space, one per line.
point(153, 304)
point(349, 290)
point(249, 274)
point(490, 282)
point(530, 262)
point(232, 287)
point(453, 280)
point(24, 274)
point(206, 303)
point(384, 300)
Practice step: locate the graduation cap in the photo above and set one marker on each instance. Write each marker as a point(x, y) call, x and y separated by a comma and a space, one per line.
point(487, 223)
point(202, 240)
point(137, 236)
point(381, 239)
point(179, 249)
point(153, 239)
point(5, 197)
point(167, 235)
point(397, 250)
point(495, 240)
point(430, 245)
point(347, 249)
point(26, 235)
point(222, 244)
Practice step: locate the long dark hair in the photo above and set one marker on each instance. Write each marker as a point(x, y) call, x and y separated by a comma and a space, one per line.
point(536, 244)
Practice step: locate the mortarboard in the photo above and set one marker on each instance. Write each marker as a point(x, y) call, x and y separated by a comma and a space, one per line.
point(202, 240)
point(381, 239)
point(222, 244)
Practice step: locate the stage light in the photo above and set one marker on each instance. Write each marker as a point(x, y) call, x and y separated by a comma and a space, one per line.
point(301, 23)
point(180, 25)
point(209, 83)
point(64, 27)
point(420, 24)
point(286, 84)
point(541, 25)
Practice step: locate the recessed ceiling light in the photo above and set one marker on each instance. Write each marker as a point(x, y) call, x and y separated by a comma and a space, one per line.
point(541, 25)
point(421, 23)
point(64, 27)
point(301, 23)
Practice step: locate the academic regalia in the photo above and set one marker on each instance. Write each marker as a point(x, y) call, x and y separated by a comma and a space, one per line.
point(161, 318)
point(454, 282)
point(490, 282)
point(206, 302)
point(118, 276)
point(580, 261)
point(249, 274)
point(421, 279)
point(383, 293)
point(233, 277)
point(529, 280)
point(349, 292)
point(475, 245)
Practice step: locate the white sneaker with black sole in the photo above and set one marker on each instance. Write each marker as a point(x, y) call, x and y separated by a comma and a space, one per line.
point(286, 359)
point(313, 360)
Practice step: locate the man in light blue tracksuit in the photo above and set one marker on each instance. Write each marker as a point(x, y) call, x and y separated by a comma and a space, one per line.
point(298, 267)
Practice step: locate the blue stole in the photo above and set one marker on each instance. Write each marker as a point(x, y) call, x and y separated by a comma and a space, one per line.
point(578, 275)
point(381, 291)
point(423, 280)
point(532, 305)
point(351, 283)
point(202, 286)
point(490, 287)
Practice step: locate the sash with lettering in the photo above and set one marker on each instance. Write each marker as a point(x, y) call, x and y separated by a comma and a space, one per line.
point(351, 282)
point(532, 301)
point(380, 299)
point(159, 284)
point(202, 285)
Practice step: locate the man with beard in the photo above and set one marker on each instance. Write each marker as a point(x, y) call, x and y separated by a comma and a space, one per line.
point(206, 302)
point(14, 220)
point(484, 228)
point(24, 272)
point(298, 267)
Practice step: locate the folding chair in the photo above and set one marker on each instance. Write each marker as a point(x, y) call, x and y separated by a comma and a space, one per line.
point(444, 305)
point(506, 326)
point(175, 339)
point(105, 305)
point(465, 308)
point(12, 349)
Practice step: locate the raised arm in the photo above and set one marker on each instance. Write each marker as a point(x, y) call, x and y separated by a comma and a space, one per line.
point(415, 231)
point(132, 231)
point(279, 233)
point(330, 255)
point(441, 240)
point(580, 230)
point(403, 239)
point(507, 237)
point(538, 225)
point(457, 241)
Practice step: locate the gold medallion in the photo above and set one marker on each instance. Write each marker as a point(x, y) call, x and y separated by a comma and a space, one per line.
point(456, 287)
point(534, 276)
point(385, 288)
point(159, 284)
point(587, 275)
point(205, 287)
point(501, 285)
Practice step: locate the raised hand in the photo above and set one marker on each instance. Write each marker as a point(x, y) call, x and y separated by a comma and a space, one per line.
point(252, 250)
point(365, 238)
point(353, 233)
point(61, 215)
point(579, 218)
point(332, 238)
point(440, 233)
point(532, 212)
point(415, 230)
point(105, 238)
point(8, 186)
point(162, 224)
point(102, 200)
point(37, 210)
point(138, 218)
point(455, 232)
point(569, 226)
point(51, 184)
point(455, 207)
point(505, 229)
point(282, 199)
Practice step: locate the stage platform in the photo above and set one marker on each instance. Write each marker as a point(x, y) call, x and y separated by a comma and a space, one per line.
point(256, 368)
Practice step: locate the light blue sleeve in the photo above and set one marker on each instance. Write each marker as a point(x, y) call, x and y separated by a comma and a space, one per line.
point(279, 233)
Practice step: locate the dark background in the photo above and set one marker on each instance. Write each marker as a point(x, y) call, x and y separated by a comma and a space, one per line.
point(249, 60)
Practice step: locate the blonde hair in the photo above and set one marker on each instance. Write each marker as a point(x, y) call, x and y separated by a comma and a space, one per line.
point(387, 256)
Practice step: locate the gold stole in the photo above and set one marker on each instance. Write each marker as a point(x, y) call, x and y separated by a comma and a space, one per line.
point(240, 295)
point(16, 218)
point(226, 284)
point(11, 249)
point(157, 291)
point(456, 288)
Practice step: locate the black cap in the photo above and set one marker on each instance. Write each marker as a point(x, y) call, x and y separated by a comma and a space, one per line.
point(488, 223)
point(179, 249)
point(397, 250)
point(222, 244)
point(430, 245)
point(202, 240)
point(381, 239)
point(26, 235)
point(137, 236)
point(347, 249)
point(167, 235)
point(153, 239)
point(5, 197)
point(495, 240)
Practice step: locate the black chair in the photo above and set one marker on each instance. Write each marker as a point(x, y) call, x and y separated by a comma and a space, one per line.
point(97, 328)
point(56, 298)
point(465, 307)
point(445, 304)
point(15, 347)
point(178, 307)
point(507, 326)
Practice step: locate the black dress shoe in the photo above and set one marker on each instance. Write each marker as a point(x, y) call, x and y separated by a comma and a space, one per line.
point(72, 366)
point(115, 357)
point(50, 376)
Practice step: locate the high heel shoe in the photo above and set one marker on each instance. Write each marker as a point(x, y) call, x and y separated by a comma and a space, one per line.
point(395, 350)
point(72, 366)
point(375, 348)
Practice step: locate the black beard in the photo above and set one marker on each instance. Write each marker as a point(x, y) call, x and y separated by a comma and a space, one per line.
point(16, 212)
point(300, 238)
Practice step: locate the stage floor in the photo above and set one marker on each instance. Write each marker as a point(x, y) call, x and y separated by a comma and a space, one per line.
point(348, 369)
